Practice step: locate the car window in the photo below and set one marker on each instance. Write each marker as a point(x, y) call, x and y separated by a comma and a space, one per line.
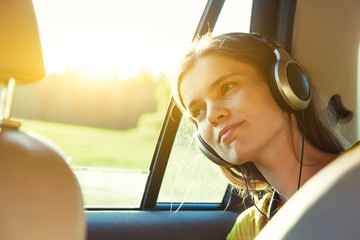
point(235, 16)
point(106, 92)
point(189, 176)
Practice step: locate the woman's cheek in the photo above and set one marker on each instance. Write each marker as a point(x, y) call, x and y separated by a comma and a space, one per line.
point(207, 135)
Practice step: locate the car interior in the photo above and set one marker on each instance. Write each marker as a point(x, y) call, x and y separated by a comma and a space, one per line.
point(45, 193)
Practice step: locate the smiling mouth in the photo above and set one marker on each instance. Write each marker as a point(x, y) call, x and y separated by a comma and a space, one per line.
point(227, 130)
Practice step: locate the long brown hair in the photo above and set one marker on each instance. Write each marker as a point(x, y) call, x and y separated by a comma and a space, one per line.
point(319, 130)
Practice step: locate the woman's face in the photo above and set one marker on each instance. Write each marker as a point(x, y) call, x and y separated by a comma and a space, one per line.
point(233, 107)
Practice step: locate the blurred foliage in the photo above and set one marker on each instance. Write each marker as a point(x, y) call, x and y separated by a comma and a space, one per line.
point(104, 102)
point(92, 125)
point(153, 121)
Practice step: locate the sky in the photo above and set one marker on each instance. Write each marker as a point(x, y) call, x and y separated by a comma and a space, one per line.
point(101, 37)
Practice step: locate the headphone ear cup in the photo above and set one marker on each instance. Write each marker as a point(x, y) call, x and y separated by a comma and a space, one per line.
point(289, 84)
point(276, 93)
point(210, 153)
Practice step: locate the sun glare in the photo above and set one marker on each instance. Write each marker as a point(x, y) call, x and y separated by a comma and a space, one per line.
point(101, 37)
point(126, 37)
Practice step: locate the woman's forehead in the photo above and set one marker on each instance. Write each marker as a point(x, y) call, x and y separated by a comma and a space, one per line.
point(206, 71)
point(209, 65)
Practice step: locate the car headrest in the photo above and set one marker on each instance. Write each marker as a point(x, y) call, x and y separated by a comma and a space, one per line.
point(20, 47)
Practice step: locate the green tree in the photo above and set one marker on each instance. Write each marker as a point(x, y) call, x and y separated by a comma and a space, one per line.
point(153, 121)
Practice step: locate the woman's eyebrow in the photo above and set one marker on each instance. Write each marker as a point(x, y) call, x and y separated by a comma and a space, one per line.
point(220, 79)
point(213, 85)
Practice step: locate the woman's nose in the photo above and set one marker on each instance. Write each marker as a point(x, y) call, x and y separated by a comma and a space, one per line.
point(215, 114)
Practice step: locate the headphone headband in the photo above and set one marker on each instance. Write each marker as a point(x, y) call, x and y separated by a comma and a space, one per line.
point(288, 81)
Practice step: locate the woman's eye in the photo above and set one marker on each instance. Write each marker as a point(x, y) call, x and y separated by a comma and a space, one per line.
point(226, 88)
point(196, 113)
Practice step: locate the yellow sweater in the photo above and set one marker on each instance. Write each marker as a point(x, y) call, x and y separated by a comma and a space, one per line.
point(251, 221)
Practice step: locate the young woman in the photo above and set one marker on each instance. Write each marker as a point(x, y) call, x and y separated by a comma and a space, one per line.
point(265, 140)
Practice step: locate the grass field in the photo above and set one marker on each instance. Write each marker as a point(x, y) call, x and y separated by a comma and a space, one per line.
point(96, 147)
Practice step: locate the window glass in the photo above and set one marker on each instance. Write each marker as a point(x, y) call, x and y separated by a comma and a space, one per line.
point(105, 93)
point(235, 16)
point(189, 176)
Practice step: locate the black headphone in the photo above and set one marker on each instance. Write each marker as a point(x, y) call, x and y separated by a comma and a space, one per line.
point(288, 84)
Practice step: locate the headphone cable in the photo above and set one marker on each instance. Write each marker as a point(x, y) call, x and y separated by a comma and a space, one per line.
point(302, 147)
point(251, 199)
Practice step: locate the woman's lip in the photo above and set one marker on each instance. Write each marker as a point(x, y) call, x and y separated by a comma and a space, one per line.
point(224, 132)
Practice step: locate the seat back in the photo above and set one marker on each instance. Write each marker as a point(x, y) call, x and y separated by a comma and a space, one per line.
point(326, 42)
point(40, 196)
